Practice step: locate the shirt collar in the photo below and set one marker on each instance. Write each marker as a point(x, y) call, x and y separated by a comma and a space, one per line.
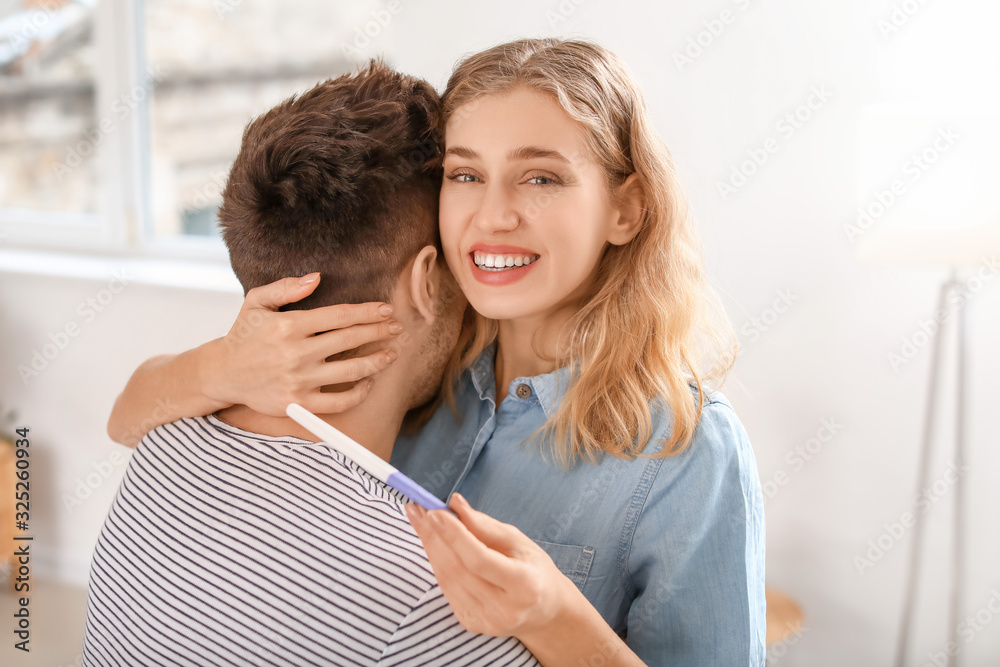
point(548, 387)
point(482, 372)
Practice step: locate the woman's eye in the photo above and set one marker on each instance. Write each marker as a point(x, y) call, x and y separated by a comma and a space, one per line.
point(542, 180)
point(463, 178)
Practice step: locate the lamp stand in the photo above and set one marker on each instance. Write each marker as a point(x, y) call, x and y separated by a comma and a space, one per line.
point(952, 285)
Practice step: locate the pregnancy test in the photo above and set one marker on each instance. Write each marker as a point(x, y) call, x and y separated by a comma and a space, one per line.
point(369, 462)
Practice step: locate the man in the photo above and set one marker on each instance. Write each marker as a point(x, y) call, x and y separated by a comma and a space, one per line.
point(236, 538)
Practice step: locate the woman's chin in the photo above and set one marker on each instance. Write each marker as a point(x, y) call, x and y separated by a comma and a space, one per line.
point(498, 309)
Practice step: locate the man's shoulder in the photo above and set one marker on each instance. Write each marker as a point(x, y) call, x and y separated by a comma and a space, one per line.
point(213, 430)
point(196, 438)
point(184, 431)
point(197, 446)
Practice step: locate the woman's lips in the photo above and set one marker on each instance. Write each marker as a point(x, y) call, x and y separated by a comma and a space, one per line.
point(501, 250)
point(505, 277)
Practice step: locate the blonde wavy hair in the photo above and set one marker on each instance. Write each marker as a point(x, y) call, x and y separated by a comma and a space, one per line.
point(651, 328)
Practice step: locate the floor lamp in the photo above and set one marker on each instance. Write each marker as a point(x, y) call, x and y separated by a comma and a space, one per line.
point(975, 249)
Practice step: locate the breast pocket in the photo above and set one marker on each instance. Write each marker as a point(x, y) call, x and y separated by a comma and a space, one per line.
point(572, 560)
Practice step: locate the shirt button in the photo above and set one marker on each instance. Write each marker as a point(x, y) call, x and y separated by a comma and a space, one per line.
point(523, 391)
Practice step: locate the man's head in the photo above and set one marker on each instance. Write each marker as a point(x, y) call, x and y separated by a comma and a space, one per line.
point(343, 179)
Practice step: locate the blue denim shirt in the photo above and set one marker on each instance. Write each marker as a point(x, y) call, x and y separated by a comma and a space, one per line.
point(669, 550)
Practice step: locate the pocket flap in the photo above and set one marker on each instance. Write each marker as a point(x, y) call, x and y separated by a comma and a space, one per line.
point(572, 560)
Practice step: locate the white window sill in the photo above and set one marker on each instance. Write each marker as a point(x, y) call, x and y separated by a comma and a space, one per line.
point(210, 275)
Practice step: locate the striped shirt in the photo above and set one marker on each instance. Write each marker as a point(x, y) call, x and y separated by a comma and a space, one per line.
point(224, 547)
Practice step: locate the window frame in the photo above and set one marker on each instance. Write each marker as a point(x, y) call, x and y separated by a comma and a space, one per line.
point(122, 224)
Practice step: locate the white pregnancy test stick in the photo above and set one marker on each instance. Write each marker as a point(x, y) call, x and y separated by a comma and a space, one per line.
point(369, 462)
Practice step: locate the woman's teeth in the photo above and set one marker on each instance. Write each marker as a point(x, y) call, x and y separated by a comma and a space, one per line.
point(502, 262)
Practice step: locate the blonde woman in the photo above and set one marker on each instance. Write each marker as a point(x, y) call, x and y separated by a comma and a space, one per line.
point(614, 494)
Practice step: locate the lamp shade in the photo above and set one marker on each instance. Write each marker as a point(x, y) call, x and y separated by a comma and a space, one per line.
point(928, 187)
point(962, 246)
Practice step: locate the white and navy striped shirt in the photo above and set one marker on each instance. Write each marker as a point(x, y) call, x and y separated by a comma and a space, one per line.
point(224, 547)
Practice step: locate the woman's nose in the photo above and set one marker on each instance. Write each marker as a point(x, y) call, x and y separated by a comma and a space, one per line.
point(497, 211)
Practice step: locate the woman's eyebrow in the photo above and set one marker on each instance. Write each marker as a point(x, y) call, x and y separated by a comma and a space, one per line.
point(461, 151)
point(522, 153)
point(529, 152)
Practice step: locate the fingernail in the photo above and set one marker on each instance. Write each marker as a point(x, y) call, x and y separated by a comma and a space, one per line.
point(395, 327)
point(460, 499)
point(391, 355)
point(308, 279)
point(385, 310)
point(371, 383)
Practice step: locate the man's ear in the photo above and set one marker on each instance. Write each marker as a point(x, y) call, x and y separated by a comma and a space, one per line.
point(630, 202)
point(424, 282)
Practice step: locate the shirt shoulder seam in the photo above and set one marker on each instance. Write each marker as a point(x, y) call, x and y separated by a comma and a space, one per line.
point(636, 506)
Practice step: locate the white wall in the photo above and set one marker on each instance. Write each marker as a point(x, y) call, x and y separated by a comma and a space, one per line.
point(826, 357)
point(66, 405)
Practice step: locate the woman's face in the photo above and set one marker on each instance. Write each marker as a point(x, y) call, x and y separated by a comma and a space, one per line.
point(522, 191)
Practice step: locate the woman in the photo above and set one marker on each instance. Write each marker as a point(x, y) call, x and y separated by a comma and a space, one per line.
point(579, 419)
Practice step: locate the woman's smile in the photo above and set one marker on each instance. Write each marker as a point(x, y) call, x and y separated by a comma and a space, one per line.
point(494, 272)
point(501, 265)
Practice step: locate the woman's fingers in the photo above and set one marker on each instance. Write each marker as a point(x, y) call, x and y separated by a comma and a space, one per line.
point(518, 591)
point(439, 542)
point(272, 358)
point(325, 403)
point(349, 370)
point(342, 315)
point(281, 292)
point(497, 535)
point(494, 567)
point(467, 592)
point(324, 345)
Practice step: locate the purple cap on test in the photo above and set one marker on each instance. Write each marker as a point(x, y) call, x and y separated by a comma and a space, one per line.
point(415, 492)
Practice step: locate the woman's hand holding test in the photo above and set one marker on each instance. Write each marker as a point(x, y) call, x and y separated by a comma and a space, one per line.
point(499, 582)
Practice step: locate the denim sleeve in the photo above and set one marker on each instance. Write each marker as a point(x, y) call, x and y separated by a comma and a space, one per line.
point(696, 558)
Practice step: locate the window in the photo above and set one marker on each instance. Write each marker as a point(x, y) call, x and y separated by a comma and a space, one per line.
point(216, 65)
point(119, 119)
point(48, 126)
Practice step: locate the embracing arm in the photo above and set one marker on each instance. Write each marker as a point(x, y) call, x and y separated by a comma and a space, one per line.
point(499, 582)
point(268, 360)
point(579, 635)
point(161, 390)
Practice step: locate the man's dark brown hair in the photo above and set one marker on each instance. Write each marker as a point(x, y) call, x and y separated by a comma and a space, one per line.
point(342, 179)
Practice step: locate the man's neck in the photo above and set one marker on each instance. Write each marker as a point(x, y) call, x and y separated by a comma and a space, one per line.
point(372, 424)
